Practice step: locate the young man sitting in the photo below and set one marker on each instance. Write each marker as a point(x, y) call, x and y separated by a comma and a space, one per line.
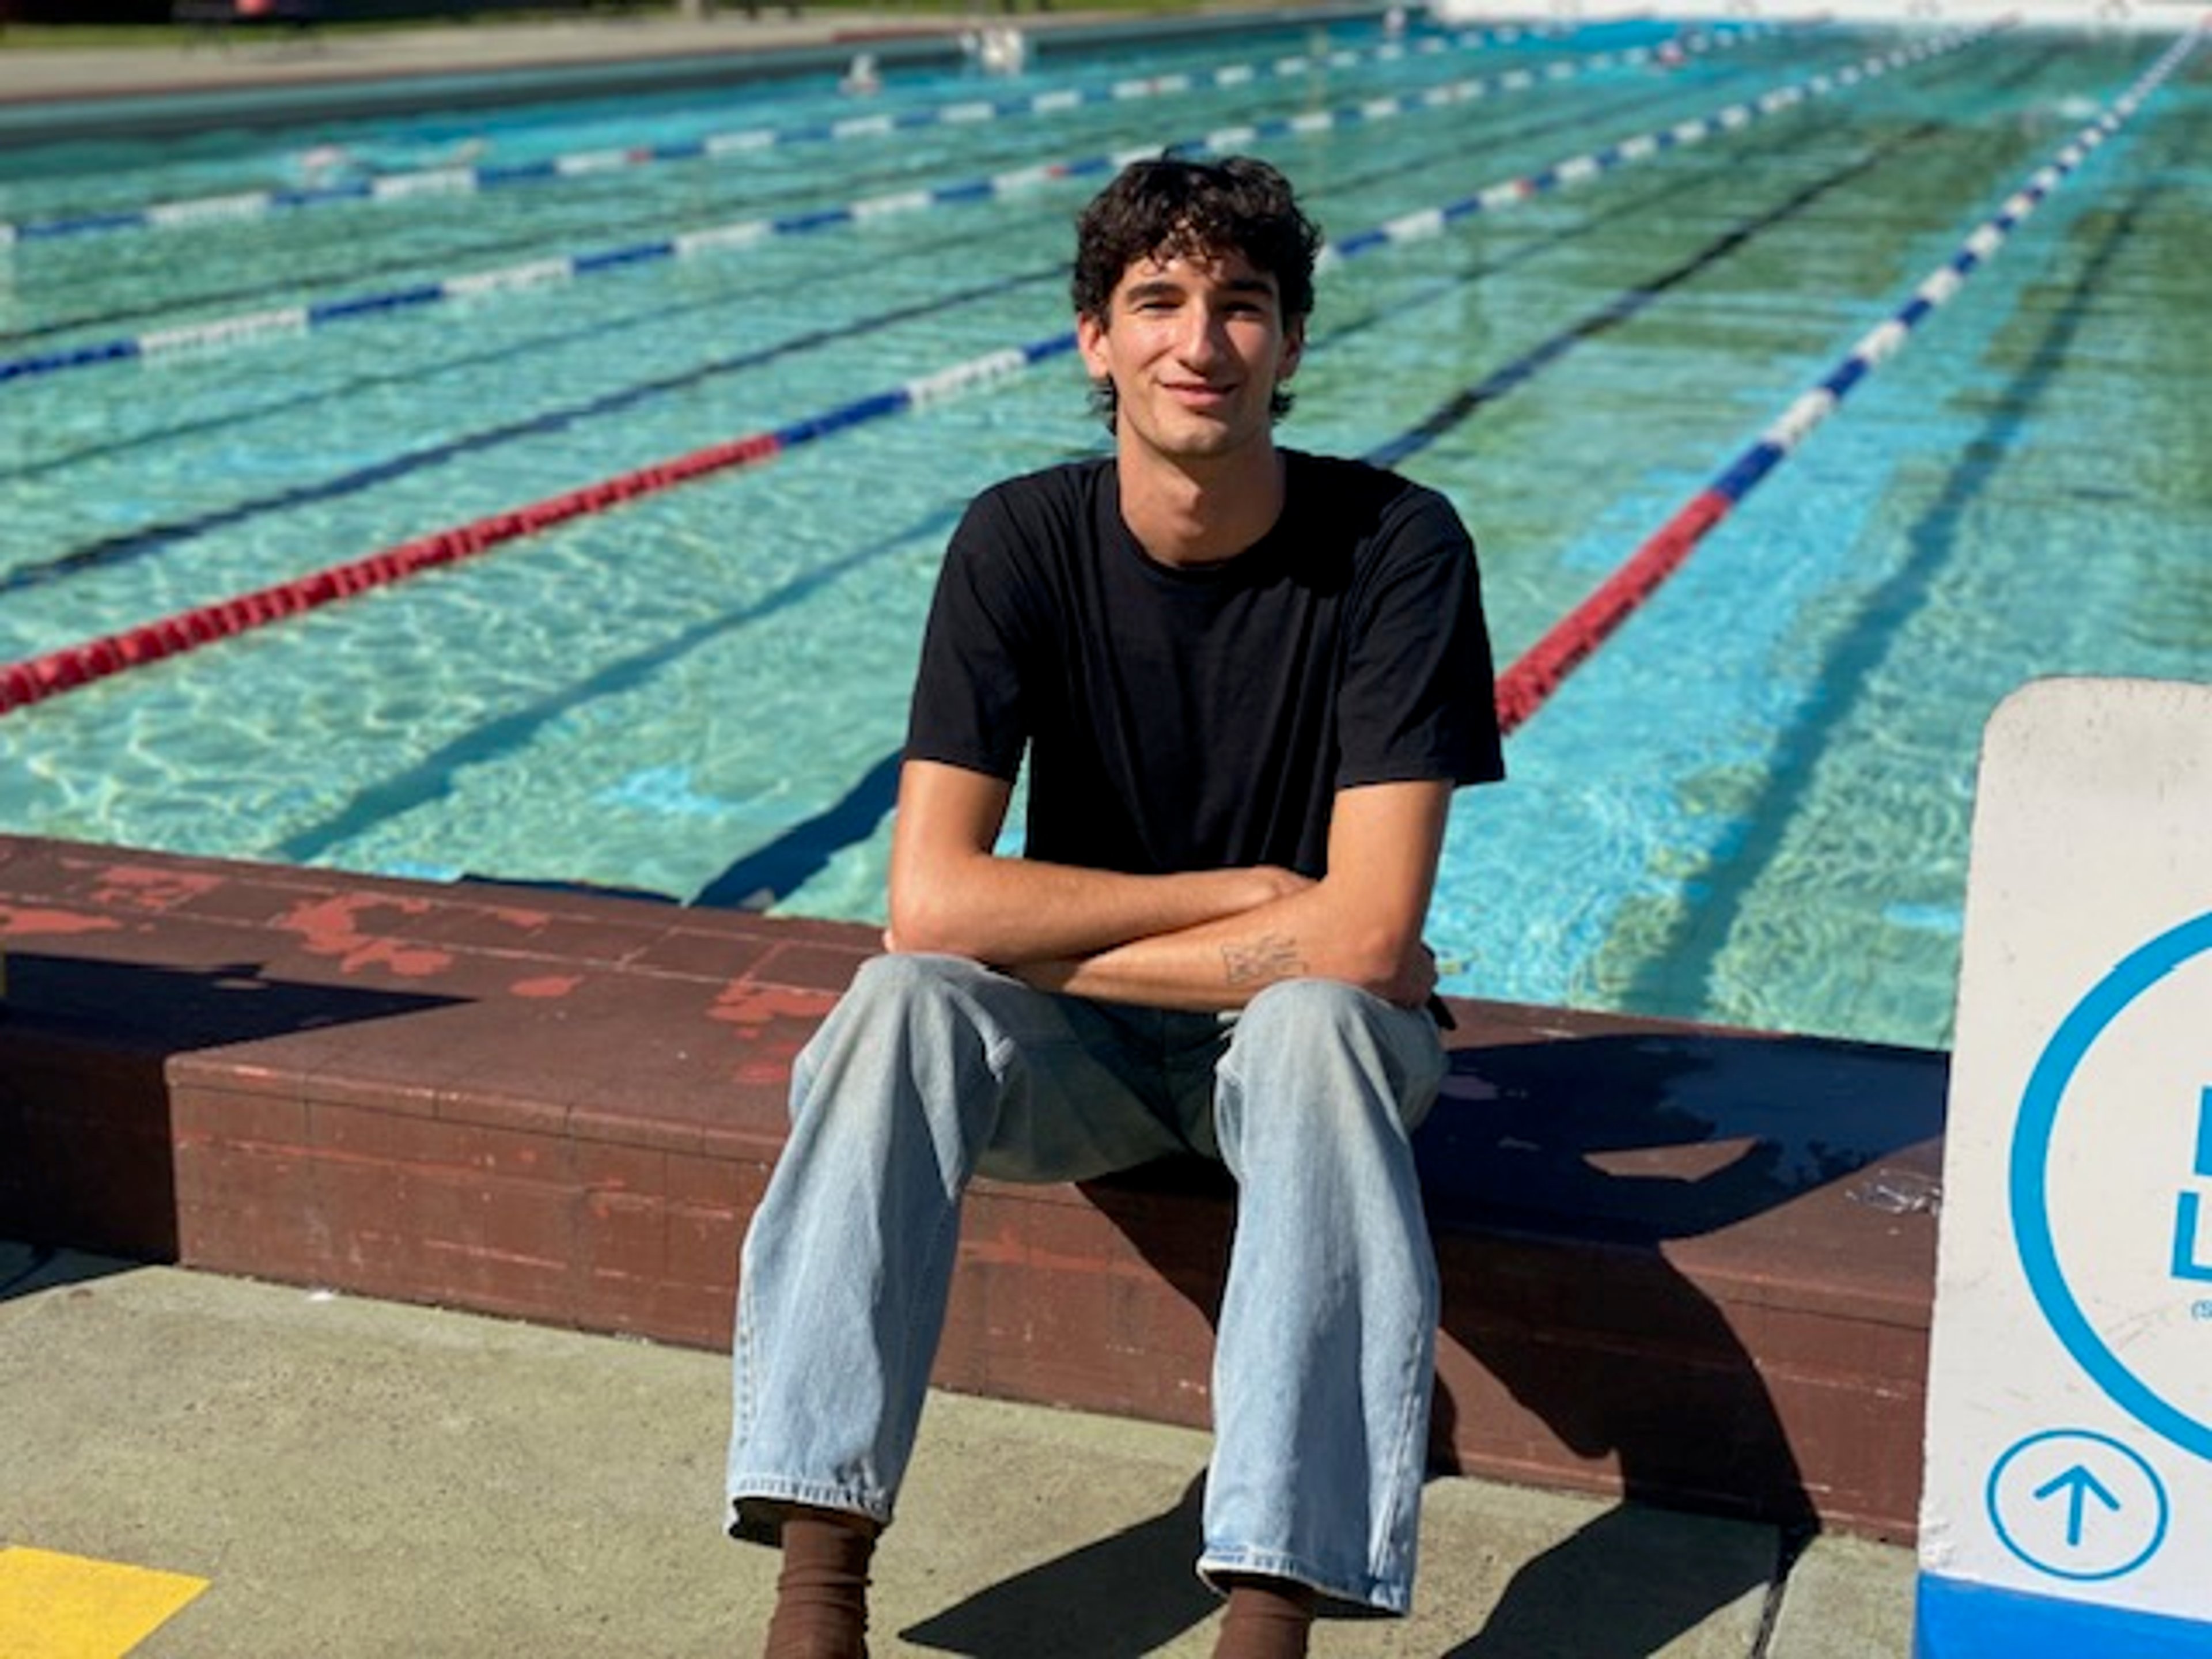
point(1246, 681)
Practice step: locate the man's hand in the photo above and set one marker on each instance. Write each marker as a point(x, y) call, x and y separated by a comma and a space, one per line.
point(1415, 982)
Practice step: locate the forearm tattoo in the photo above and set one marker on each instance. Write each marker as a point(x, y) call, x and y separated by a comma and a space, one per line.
point(1261, 961)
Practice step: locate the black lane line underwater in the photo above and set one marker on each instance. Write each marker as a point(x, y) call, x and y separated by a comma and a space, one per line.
point(432, 777)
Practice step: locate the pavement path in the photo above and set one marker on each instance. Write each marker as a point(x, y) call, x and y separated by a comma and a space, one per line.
point(358, 1480)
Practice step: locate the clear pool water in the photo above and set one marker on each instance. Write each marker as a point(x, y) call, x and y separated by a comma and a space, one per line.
point(1751, 806)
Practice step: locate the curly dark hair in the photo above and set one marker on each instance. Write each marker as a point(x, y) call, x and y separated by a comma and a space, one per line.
point(1170, 207)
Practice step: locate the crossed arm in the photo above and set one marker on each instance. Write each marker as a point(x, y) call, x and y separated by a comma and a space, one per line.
point(1201, 939)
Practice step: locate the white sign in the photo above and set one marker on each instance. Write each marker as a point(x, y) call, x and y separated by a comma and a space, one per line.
point(2070, 1416)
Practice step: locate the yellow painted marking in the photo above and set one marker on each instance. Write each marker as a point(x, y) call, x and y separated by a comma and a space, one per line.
point(65, 1606)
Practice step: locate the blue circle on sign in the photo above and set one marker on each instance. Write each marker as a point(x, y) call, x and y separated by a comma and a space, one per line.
point(2077, 1034)
point(2004, 1532)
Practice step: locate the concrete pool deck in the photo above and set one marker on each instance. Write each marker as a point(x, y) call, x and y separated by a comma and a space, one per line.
point(359, 1479)
point(1687, 1278)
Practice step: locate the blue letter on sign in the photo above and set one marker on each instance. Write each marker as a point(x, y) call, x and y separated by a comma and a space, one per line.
point(2186, 1264)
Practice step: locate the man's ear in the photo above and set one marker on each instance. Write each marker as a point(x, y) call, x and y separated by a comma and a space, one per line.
point(1090, 341)
point(1294, 350)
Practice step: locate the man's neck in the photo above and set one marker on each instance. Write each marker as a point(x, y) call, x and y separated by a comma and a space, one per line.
point(1201, 511)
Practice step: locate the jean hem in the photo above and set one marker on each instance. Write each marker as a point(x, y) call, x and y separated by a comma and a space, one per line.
point(756, 1503)
point(1385, 1595)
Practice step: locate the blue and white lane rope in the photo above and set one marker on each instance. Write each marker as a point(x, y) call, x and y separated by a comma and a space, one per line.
point(1433, 221)
point(58, 672)
point(1882, 342)
point(1524, 687)
point(463, 181)
point(283, 321)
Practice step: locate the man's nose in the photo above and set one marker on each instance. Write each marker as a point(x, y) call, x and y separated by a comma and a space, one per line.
point(1205, 335)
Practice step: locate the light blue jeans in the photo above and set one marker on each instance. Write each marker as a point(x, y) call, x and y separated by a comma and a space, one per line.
point(932, 1069)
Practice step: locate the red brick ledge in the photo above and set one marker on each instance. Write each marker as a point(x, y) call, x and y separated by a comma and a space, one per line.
point(1690, 1265)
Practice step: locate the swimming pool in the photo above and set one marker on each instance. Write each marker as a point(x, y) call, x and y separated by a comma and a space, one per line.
point(1750, 805)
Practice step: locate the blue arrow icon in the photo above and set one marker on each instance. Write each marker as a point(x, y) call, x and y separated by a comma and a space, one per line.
point(2078, 1484)
point(2078, 1465)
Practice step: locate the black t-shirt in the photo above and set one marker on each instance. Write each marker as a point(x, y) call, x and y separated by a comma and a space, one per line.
point(1183, 718)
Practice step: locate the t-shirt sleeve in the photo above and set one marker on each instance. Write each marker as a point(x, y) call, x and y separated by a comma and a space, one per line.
point(968, 709)
point(1419, 698)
